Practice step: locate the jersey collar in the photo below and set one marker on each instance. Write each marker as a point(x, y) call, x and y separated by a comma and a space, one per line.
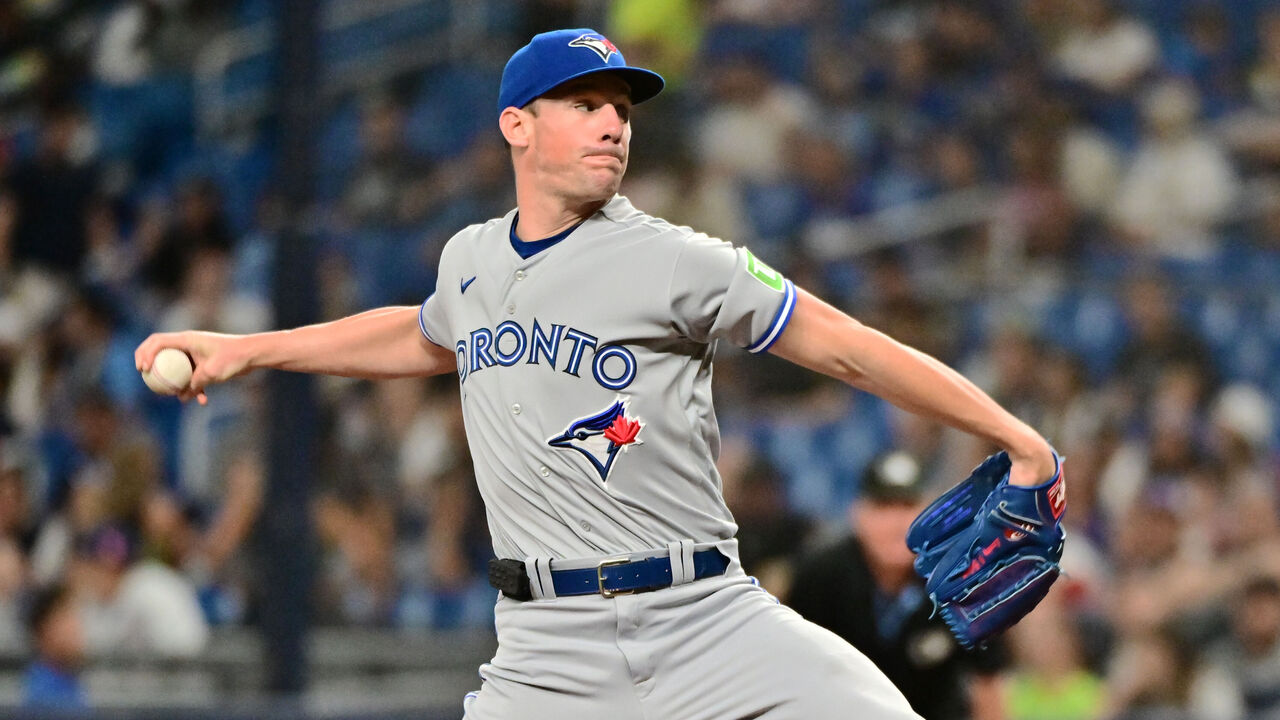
point(612, 210)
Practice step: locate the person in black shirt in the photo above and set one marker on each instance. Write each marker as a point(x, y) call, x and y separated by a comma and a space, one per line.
point(865, 590)
point(51, 193)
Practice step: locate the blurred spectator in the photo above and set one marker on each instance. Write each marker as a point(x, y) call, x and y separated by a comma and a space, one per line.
point(1071, 413)
point(134, 606)
point(400, 477)
point(210, 439)
point(963, 40)
point(1160, 579)
point(113, 466)
point(456, 592)
point(911, 93)
point(838, 66)
point(52, 681)
point(23, 62)
point(123, 55)
point(1205, 52)
point(358, 582)
point(1239, 676)
point(1104, 48)
point(13, 582)
point(762, 13)
point(118, 455)
point(140, 37)
point(1264, 77)
point(209, 302)
point(820, 184)
point(386, 197)
point(886, 298)
point(200, 224)
point(392, 440)
point(1181, 183)
point(750, 108)
point(957, 163)
point(1158, 338)
point(1090, 165)
point(769, 532)
point(1086, 560)
point(1009, 369)
point(51, 193)
point(389, 184)
point(1050, 679)
point(18, 530)
point(93, 347)
point(1242, 430)
point(1036, 218)
point(18, 519)
point(866, 590)
point(206, 541)
point(83, 509)
point(1150, 679)
point(1254, 132)
point(111, 262)
point(421, 422)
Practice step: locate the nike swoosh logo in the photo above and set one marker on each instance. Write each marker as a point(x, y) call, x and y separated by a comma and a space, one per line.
point(467, 283)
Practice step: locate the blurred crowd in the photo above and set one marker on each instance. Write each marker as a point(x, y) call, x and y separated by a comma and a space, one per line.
point(1076, 202)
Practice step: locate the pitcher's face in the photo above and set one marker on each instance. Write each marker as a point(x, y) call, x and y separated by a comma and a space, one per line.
point(580, 137)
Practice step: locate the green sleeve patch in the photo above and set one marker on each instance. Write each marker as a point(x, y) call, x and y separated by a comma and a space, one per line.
point(762, 272)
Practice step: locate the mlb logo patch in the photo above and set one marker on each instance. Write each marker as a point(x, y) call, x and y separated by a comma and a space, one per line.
point(598, 44)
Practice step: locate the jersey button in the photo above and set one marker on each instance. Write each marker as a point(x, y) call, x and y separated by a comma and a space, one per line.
point(519, 275)
point(511, 309)
point(515, 409)
point(544, 472)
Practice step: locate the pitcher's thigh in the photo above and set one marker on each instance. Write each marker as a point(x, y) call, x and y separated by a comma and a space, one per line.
point(555, 660)
point(758, 659)
point(501, 698)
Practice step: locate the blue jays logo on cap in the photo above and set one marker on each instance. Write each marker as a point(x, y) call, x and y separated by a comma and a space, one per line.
point(599, 43)
point(553, 58)
point(599, 437)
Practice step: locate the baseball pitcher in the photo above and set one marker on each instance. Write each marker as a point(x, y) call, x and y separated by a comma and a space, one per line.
point(582, 330)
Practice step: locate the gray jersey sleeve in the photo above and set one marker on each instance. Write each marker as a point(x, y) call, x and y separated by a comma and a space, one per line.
point(432, 321)
point(433, 314)
point(719, 291)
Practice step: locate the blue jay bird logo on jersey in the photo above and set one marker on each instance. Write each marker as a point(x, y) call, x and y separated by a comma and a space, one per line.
point(599, 437)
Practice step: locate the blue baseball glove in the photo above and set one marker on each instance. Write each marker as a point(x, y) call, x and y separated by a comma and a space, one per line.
point(988, 550)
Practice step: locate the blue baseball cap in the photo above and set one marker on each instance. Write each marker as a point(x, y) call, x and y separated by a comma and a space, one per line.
point(552, 58)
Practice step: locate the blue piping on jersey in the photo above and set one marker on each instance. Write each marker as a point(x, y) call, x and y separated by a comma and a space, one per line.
point(528, 249)
point(422, 325)
point(779, 321)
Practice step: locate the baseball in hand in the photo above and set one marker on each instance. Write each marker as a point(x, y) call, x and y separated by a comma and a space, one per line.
point(170, 373)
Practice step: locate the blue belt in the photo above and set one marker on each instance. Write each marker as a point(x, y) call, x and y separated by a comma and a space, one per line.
point(618, 576)
point(623, 576)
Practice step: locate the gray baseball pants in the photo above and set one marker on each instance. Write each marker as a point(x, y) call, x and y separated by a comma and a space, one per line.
point(719, 648)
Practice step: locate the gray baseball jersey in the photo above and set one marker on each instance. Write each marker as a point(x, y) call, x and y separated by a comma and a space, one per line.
point(585, 371)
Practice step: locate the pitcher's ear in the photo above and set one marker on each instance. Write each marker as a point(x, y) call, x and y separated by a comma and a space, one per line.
point(516, 125)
